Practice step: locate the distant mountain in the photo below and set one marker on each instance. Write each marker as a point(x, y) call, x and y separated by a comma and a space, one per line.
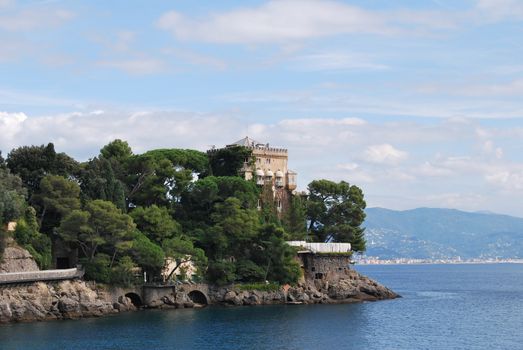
point(428, 233)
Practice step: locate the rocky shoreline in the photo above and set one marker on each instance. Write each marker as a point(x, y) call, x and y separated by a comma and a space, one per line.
point(76, 299)
point(70, 299)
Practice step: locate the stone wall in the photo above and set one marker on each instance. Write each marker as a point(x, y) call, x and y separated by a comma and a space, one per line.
point(328, 267)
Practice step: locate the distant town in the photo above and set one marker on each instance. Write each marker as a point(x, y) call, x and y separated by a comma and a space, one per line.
point(372, 260)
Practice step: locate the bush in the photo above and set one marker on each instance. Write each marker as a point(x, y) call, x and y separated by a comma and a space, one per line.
point(2, 242)
point(248, 271)
point(98, 269)
point(263, 287)
point(122, 274)
point(221, 272)
point(37, 244)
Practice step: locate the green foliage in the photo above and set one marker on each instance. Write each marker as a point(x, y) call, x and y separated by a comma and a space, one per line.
point(261, 286)
point(27, 235)
point(276, 255)
point(122, 274)
point(3, 164)
point(229, 161)
point(268, 214)
point(117, 149)
point(97, 268)
point(212, 222)
point(32, 163)
point(335, 212)
point(156, 223)
point(12, 196)
point(221, 272)
point(182, 250)
point(149, 256)
point(248, 271)
point(101, 227)
point(56, 197)
point(295, 220)
point(3, 237)
point(161, 176)
point(98, 181)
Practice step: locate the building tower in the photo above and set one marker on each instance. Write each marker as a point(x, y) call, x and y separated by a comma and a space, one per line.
point(269, 167)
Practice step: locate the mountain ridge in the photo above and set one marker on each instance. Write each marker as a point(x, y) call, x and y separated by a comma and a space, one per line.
point(442, 233)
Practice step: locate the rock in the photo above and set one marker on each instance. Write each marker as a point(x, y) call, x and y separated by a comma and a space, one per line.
point(54, 300)
point(17, 259)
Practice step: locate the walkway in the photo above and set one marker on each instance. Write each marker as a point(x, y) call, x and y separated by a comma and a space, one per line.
point(36, 276)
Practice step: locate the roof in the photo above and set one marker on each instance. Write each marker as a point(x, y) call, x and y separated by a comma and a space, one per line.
point(247, 142)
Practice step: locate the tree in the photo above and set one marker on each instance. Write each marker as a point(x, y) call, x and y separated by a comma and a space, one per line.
point(156, 223)
point(161, 176)
point(3, 164)
point(28, 236)
point(149, 256)
point(229, 161)
point(117, 149)
point(277, 257)
point(12, 196)
point(335, 212)
point(32, 163)
point(56, 197)
point(100, 228)
point(295, 219)
point(98, 181)
point(181, 250)
point(198, 202)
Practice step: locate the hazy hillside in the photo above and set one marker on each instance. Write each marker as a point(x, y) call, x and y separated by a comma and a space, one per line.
point(442, 233)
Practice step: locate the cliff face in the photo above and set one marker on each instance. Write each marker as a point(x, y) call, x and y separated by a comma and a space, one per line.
point(16, 259)
point(60, 300)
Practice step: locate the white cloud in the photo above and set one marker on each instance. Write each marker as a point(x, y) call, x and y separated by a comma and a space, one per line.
point(34, 18)
point(499, 9)
point(384, 153)
point(11, 124)
point(335, 61)
point(275, 21)
point(137, 66)
point(506, 179)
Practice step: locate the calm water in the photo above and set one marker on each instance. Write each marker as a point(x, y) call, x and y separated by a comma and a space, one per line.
point(443, 307)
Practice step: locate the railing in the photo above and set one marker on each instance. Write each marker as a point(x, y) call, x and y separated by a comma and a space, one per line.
point(35, 276)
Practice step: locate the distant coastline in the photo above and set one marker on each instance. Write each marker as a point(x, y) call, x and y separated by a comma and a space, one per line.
point(408, 261)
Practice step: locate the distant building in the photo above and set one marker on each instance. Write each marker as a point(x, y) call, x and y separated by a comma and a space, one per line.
point(269, 167)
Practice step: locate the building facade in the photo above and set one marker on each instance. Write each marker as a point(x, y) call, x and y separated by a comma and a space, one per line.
point(268, 167)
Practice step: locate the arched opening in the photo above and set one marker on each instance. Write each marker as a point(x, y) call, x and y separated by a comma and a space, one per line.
point(198, 297)
point(135, 299)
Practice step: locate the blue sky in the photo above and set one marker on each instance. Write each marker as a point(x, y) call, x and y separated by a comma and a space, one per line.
point(418, 102)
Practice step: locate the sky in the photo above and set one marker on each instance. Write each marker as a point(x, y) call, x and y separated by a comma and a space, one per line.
point(418, 102)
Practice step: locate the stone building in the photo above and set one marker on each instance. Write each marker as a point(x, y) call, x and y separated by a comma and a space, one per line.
point(268, 167)
point(323, 261)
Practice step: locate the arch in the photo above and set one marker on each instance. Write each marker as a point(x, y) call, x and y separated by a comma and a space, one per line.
point(198, 297)
point(135, 299)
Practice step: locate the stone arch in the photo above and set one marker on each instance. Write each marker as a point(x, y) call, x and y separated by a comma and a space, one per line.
point(198, 297)
point(135, 299)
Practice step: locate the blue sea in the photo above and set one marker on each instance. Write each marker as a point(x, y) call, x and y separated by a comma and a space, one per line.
point(443, 307)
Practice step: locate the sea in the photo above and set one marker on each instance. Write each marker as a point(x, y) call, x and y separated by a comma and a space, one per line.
point(470, 306)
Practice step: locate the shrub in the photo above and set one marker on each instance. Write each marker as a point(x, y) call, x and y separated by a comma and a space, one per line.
point(98, 269)
point(248, 271)
point(221, 272)
point(264, 287)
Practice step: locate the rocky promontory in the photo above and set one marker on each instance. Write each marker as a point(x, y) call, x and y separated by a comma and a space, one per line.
point(354, 287)
point(74, 298)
